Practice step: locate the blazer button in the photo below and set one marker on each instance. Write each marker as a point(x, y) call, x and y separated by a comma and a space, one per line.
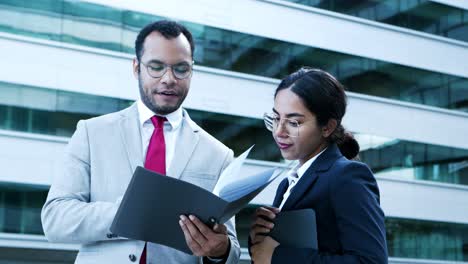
point(109, 235)
point(132, 257)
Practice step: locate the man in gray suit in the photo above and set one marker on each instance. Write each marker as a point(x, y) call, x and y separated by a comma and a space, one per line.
point(104, 151)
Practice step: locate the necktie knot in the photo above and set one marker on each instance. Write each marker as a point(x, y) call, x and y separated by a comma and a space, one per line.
point(293, 177)
point(158, 121)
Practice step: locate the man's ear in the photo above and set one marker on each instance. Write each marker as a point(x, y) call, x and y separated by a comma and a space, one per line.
point(136, 68)
point(328, 129)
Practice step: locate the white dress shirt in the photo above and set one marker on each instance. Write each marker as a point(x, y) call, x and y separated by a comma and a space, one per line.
point(171, 133)
point(171, 130)
point(295, 174)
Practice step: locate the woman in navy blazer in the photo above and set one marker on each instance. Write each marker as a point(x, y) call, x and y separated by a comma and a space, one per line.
point(306, 124)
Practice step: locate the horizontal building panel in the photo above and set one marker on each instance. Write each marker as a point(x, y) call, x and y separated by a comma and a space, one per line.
point(314, 27)
point(110, 74)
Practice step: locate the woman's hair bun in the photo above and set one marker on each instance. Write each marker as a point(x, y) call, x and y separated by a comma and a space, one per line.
point(348, 145)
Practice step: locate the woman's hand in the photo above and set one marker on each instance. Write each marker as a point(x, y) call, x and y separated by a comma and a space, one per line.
point(262, 224)
point(263, 251)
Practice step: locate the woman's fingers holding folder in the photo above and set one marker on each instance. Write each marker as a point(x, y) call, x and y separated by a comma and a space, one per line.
point(260, 221)
point(258, 233)
point(267, 212)
point(263, 223)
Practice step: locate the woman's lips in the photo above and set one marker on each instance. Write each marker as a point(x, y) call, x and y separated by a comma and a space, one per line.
point(283, 146)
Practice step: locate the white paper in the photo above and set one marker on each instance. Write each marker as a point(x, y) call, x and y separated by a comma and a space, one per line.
point(233, 185)
point(230, 172)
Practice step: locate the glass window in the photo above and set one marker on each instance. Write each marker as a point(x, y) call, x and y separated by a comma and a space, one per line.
point(106, 27)
point(20, 208)
point(213, 47)
point(51, 112)
point(92, 25)
point(408, 238)
point(32, 18)
point(385, 156)
point(421, 15)
point(413, 161)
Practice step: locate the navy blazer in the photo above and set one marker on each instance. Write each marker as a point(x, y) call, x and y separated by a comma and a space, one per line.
point(350, 222)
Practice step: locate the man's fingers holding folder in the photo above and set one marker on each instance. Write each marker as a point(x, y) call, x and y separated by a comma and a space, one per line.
point(202, 240)
point(220, 229)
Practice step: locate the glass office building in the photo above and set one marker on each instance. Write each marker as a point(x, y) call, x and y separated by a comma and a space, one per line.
point(403, 62)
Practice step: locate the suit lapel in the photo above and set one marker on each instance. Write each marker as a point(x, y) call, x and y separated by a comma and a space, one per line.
point(322, 163)
point(131, 137)
point(283, 186)
point(185, 146)
point(305, 183)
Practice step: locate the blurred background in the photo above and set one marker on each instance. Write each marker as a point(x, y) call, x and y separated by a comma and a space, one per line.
point(403, 62)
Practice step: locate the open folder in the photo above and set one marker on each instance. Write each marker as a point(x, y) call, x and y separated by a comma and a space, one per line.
point(152, 203)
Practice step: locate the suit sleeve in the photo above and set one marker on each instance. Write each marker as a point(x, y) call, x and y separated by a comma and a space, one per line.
point(354, 196)
point(234, 251)
point(68, 216)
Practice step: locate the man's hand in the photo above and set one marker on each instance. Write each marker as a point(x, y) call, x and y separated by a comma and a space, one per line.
point(202, 240)
point(263, 251)
point(262, 224)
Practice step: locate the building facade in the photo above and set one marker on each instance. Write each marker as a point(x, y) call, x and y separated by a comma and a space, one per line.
point(403, 62)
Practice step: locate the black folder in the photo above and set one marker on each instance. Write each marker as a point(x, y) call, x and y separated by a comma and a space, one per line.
point(296, 228)
point(153, 203)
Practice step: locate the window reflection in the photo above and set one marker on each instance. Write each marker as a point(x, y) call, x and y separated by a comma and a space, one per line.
point(58, 112)
point(421, 15)
point(427, 240)
point(110, 28)
point(413, 161)
point(20, 208)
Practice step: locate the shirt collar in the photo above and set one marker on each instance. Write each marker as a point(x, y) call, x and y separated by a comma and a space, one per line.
point(300, 170)
point(145, 114)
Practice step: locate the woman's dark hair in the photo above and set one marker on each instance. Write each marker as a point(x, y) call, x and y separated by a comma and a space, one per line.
point(325, 97)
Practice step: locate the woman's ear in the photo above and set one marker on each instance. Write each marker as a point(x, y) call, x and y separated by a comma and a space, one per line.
point(329, 128)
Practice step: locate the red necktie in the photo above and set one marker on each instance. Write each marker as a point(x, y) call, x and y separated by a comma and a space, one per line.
point(155, 156)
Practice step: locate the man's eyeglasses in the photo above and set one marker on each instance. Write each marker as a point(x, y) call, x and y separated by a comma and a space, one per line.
point(157, 69)
point(273, 122)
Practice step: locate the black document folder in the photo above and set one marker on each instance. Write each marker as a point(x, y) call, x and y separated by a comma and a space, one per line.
point(296, 228)
point(153, 203)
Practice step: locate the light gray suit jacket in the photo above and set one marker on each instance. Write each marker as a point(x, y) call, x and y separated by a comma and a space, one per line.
point(97, 167)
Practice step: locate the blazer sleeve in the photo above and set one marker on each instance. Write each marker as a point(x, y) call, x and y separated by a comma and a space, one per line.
point(68, 216)
point(354, 196)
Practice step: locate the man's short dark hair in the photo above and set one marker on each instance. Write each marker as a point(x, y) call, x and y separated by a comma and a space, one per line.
point(169, 29)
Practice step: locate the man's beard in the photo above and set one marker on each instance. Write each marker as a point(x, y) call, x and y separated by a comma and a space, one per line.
point(149, 101)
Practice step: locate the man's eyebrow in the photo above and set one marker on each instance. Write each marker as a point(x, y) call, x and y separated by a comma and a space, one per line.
point(155, 61)
point(162, 62)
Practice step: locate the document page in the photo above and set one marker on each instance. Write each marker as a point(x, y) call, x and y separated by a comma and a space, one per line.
point(232, 185)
